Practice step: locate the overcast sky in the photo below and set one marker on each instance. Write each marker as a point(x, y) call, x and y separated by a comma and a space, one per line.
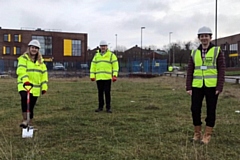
point(103, 19)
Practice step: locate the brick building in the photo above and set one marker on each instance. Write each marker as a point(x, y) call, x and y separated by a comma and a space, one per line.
point(69, 49)
point(231, 47)
point(135, 53)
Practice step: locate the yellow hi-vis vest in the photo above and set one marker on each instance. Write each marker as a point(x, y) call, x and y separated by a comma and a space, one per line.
point(35, 73)
point(170, 68)
point(103, 67)
point(205, 71)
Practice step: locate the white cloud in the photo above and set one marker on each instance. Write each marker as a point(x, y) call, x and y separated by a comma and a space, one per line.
point(103, 19)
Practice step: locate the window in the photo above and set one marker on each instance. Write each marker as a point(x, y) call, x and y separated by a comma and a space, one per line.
point(224, 47)
point(17, 50)
point(76, 48)
point(46, 44)
point(5, 37)
point(72, 47)
point(233, 48)
point(17, 38)
point(8, 50)
point(15, 63)
point(65, 64)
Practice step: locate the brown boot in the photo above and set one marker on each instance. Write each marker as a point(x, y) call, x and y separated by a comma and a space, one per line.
point(197, 133)
point(207, 135)
point(24, 123)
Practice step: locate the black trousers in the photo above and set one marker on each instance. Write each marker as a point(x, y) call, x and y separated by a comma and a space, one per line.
point(198, 95)
point(33, 101)
point(104, 87)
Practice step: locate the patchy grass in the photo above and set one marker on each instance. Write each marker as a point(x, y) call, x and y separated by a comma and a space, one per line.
point(232, 73)
point(151, 119)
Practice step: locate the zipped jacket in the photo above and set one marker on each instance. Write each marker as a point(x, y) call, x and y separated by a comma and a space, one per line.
point(103, 67)
point(35, 73)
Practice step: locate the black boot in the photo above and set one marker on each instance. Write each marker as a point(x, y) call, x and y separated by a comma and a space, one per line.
point(98, 110)
point(109, 111)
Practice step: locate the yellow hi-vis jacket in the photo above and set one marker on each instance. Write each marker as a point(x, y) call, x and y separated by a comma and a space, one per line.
point(205, 72)
point(103, 67)
point(170, 68)
point(35, 73)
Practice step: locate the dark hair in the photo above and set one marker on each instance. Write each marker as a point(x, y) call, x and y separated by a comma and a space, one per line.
point(207, 34)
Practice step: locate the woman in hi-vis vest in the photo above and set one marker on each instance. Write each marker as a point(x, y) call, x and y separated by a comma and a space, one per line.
point(205, 78)
point(31, 70)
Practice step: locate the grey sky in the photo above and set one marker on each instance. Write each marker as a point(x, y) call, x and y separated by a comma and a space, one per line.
point(106, 18)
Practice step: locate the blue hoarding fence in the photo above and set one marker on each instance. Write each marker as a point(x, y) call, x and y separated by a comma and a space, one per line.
point(149, 66)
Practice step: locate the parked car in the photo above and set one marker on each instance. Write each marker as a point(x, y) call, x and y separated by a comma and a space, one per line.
point(176, 68)
point(59, 67)
point(84, 66)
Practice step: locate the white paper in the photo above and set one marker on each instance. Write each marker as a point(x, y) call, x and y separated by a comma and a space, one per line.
point(27, 133)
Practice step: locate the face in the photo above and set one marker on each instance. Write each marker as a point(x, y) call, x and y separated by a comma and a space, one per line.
point(205, 39)
point(33, 50)
point(103, 48)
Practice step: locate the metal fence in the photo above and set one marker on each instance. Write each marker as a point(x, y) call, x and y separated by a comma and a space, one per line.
point(131, 66)
point(148, 66)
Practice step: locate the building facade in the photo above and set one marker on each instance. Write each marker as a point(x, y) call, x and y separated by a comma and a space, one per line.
point(231, 47)
point(145, 60)
point(69, 49)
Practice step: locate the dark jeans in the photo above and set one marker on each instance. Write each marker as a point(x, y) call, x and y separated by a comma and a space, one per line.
point(33, 101)
point(198, 95)
point(104, 87)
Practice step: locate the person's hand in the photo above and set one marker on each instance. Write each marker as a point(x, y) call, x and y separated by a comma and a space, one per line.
point(217, 92)
point(189, 92)
point(114, 78)
point(92, 79)
point(27, 83)
point(43, 92)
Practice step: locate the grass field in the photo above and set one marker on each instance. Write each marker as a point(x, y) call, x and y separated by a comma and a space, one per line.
point(232, 73)
point(151, 120)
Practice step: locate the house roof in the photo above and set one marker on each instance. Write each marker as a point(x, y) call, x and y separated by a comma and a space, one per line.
point(161, 52)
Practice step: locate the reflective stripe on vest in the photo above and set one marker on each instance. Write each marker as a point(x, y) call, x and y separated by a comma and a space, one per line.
point(208, 75)
point(214, 59)
point(103, 69)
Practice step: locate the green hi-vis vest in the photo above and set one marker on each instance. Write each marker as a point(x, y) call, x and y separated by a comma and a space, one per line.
point(205, 71)
point(35, 73)
point(170, 68)
point(103, 67)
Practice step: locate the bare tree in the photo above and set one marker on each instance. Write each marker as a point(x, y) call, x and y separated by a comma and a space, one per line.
point(181, 51)
point(195, 43)
point(152, 47)
point(120, 48)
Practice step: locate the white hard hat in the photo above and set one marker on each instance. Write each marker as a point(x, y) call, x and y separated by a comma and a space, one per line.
point(35, 43)
point(103, 43)
point(204, 30)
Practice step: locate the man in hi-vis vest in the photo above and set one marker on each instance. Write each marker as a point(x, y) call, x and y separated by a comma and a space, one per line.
point(104, 70)
point(205, 78)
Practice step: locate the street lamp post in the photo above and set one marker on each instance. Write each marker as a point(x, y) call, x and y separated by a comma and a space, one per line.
point(169, 48)
point(141, 50)
point(116, 44)
point(216, 24)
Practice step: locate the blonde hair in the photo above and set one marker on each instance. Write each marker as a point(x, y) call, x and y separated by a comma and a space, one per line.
point(39, 58)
